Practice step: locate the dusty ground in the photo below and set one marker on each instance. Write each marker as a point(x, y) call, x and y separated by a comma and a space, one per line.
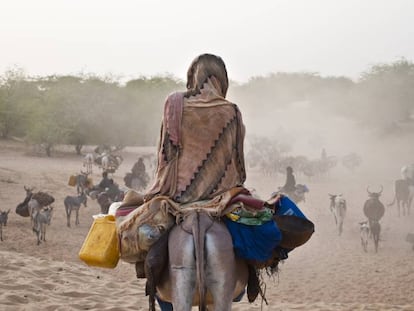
point(330, 272)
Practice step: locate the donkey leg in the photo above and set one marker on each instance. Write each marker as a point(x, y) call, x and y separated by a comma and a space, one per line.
point(68, 210)
point(182, 269)
point(221, 272)
point(77, 217)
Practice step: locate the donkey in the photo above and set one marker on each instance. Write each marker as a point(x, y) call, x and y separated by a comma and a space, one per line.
point(202, 268)
point(40, 220)
point(338, 209)
point(82, 182)
point(33, 202)
point(88, 162)
point(73, 204)
point(3, 222)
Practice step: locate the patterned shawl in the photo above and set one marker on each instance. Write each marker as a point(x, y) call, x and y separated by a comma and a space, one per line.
point(200, 153)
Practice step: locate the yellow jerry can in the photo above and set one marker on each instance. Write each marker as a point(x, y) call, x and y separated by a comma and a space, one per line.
point(72, 180)
point(101, 246)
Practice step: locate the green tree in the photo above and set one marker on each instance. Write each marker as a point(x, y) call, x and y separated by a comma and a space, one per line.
point(16, 93)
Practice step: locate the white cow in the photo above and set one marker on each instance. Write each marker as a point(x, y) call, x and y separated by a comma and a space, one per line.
point(338, 209)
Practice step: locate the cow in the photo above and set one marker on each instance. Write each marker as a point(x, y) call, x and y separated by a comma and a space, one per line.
point(374, 210)
point(402, 196)
point(364, 233)
point(338, 209)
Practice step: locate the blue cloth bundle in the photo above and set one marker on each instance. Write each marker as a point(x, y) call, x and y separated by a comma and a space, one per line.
point(254, 242)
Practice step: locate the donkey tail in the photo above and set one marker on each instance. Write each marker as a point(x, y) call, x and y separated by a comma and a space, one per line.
point(199, 229)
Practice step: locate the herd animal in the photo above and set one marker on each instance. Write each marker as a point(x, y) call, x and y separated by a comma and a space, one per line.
point(73, 204)
point(403, 195)
point(41, 219)
point(338, 209)
point(374, 210)
point(37, 206)
point(364, 233)
point(3, 222)
point(88, 161)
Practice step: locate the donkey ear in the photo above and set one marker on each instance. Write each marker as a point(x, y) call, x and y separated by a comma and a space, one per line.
point(8, 211)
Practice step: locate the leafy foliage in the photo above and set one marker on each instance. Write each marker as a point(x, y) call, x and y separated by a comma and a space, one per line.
point(88, 109)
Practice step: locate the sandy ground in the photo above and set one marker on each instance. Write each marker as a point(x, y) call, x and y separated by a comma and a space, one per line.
point(330, 272)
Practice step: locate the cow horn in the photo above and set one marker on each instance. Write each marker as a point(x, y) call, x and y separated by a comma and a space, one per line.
point(369, 192)
point(382, 188)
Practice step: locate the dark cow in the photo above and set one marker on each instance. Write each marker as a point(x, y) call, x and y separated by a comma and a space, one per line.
point(374, 210)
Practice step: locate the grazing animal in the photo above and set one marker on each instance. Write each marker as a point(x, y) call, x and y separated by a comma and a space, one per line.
point(3, 222)
point(105, 162)
point(42, 218)
point(402, 196)
point(299, 194)
point(88, 161)
point(104, 202)
point(375, 230)
point(410, 239)
point(82, 183)
point(338, 209)
point(109, 162)
point(202, 268)
point(73, 203)
point(22, 209)
point(33, 202)
point(364, 233)
point(374, 210)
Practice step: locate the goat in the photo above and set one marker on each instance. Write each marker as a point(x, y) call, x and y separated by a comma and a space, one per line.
point(3, 222)
point(364, 232)
point(42, 218)
point(338, 209)
point(74, 203)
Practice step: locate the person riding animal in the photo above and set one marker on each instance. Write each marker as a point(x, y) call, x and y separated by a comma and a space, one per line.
point(290, 184)
point(200, 150)
point(200, 160)
point(138, 178)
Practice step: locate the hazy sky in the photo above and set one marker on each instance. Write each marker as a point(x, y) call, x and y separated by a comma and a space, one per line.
point(130, 38)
